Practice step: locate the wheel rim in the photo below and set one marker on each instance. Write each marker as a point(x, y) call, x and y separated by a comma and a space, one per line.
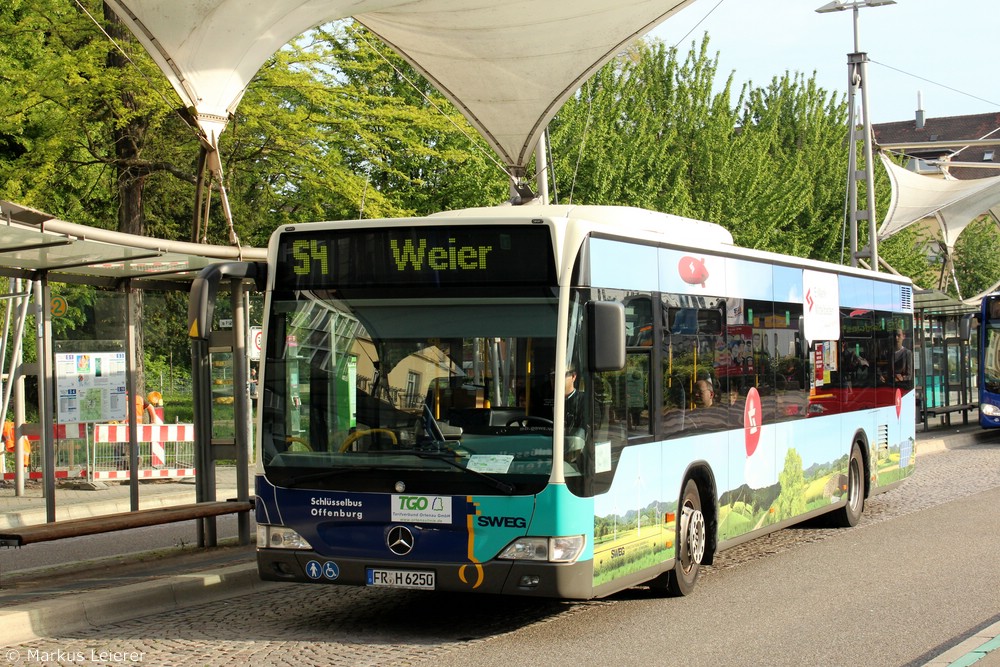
point(693, 534)
point(854, 485)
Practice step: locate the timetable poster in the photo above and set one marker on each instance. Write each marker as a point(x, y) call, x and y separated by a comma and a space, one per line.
point(91, 387)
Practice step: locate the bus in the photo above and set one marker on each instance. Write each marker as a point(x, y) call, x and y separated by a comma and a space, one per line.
point(989, 361)
point(562, 401)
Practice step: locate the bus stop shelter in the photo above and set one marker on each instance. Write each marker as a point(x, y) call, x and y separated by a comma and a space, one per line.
point(37, 249)
point(945, 344)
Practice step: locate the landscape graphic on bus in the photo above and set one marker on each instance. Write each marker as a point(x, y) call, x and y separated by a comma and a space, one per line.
point(634, 523)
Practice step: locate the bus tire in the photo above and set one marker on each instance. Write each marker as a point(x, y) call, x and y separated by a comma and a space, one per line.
point(849, 515)
point(691, 540)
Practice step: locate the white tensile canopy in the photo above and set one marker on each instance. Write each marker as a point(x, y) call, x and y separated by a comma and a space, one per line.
point(953, 203)
point(507, 65)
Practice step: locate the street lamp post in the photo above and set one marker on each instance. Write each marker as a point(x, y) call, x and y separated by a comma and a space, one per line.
point(857, 72)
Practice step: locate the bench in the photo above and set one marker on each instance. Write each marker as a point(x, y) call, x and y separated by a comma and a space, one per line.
point(946, 410)
point(45, 532)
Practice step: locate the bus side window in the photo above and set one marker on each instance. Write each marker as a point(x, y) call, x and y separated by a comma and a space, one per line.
point(639, 321)
point(637, 394)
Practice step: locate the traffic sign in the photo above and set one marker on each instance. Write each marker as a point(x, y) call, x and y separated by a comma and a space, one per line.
point(256, 341)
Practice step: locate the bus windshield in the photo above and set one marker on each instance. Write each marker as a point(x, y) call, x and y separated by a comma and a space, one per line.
point(450, 394)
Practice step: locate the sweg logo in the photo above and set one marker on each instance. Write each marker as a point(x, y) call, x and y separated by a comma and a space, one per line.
point(420, 503)
point(501, 521)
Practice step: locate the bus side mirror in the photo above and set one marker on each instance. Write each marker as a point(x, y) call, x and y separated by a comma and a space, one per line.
point(201, 299)
point(606, 335)
point(965, 327)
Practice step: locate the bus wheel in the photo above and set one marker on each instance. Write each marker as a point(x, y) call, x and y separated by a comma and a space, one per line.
point(850, 514)
point(691, 540)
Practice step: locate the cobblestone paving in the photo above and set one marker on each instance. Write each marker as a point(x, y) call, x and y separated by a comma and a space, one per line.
point(326, 625)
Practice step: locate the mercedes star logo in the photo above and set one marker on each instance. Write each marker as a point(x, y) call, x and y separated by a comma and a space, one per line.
point(399, 540)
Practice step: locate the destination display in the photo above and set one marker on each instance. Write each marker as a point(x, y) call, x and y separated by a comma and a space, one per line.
point(417, 256)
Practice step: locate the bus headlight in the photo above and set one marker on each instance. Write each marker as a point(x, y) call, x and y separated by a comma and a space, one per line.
point(989, 409)
point(279, 537)
point(551, 549)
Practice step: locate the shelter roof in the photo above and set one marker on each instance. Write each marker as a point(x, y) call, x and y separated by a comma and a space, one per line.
point(934, 302)
point(953, 203)
point(508, 65)
point(33, 243)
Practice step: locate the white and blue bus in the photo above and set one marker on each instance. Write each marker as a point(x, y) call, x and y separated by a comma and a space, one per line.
point(562, 401)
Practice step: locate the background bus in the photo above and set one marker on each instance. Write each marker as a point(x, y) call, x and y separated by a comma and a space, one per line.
point(563, 401)
point(989, 361)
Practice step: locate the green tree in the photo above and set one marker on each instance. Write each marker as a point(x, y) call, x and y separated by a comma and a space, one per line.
point(654, 131)
point(791, 501)
point(977, 258)
point(784, 185)
point(335, 126)
point(619, 140)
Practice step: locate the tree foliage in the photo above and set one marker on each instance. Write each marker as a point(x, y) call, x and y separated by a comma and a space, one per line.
point(654, 131)
point(335, 126)
point(977, 257)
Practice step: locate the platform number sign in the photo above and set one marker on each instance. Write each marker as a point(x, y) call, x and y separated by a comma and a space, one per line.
point(58, 306)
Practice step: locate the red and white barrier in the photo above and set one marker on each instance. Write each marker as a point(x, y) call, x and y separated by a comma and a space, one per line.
point(165, 473)
point(59, 474)
point(155, 434)
point(59, 432)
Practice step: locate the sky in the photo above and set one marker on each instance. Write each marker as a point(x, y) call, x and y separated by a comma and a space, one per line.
point(943, 49)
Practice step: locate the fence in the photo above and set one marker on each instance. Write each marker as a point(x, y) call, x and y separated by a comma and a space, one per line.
point(165, 451)
point(100, 452)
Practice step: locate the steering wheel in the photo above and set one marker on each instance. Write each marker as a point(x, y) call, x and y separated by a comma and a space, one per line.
point(360, 434)
point(296, 444)
point(523, 422)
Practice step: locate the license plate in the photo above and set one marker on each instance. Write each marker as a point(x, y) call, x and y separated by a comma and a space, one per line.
point(401, 578)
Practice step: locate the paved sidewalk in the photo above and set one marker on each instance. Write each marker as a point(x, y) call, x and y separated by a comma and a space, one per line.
point(66, 600)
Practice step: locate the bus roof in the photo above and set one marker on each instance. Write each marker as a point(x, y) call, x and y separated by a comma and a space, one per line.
point(624, 222)
point(625, 219)
point(658, 227)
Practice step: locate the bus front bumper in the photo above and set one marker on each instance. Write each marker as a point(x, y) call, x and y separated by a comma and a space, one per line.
point(507, 577)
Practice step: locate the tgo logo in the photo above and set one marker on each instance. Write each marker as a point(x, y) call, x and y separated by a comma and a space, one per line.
point(421, 503)
point(421, 509)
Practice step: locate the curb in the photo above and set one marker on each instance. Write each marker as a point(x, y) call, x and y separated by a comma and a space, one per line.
point(87, 610)
point(972, 650)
